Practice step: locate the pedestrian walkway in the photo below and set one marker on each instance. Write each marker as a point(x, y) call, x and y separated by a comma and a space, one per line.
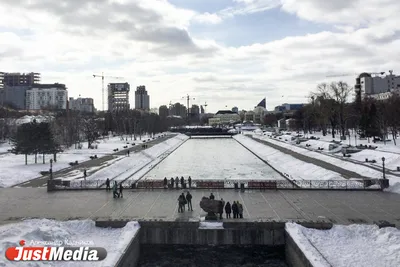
point(42, 181)
point(338, 207)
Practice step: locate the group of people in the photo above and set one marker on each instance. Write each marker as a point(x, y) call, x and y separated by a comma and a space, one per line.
point(176, 181)
point(236, 208)
point(117, 191)
point(183, 200)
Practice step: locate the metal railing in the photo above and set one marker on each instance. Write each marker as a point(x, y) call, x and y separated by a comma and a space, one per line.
point(366, 184)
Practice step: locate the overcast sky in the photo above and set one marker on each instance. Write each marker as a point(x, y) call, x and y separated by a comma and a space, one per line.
point(223, 52)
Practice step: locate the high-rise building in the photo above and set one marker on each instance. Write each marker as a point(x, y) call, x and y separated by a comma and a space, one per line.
point(142, 99)
point(19, 79)
point(118, 97)
point(163, 111)
point(178, 110)
point(51, 96)
point(13, 87)
point(81, 104)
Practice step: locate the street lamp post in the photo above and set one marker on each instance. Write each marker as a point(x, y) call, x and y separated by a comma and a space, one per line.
point(51, 169)
point(383, 167)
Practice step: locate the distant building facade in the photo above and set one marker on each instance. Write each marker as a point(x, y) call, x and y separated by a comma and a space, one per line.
point(235, 109)
point(288, 107)
point(118, 97)
point(178, 109)
point(225, 117)
point(142, 99)
point(19, 79)
point(163, 111)
point(85, 105)
point(43, 96)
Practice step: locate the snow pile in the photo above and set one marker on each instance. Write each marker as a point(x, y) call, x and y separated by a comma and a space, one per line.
point(81, 232)
point(211, 225)
point(353, 245)
point(296, 169)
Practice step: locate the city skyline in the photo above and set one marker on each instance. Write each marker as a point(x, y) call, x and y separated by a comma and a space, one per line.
point(225, 53)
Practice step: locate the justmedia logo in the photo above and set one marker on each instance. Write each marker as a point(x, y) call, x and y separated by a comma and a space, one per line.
point(55, 253)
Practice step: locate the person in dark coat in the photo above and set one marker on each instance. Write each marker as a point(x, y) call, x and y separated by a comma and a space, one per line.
point(235, 210)
point(120, 190)
point(165, 182)
point(177, 182)
point(240, 210)
point(172, 182)
point(228, 210)
point(189, 201)
point(180, 203)
point(184, 201)
point(182, 182)
point(212, 196)
point(108, 188)
point(190, 182)
point(221, 208)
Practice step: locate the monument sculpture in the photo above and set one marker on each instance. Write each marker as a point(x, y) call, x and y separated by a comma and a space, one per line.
point(211, 206)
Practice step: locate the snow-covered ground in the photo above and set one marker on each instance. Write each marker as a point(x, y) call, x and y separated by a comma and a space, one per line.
point(392, 159)
point(78, 232)
point(14, 171)
point(4, 146)
point(295, 168)
point(135, 166)
point(348, 246)
point(213, 159)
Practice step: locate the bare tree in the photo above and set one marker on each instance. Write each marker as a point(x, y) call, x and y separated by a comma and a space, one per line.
point(90, 129)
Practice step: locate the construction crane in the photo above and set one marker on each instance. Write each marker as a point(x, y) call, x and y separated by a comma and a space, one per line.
point(351, 74)
point(102, 83)
point(188, 98)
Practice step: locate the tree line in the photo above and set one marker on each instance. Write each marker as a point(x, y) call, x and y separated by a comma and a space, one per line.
point(61, 130)
point(335, 108)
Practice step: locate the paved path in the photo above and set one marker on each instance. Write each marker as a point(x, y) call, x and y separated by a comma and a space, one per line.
point(323, 164)
point(42, 181)
point(340, 207)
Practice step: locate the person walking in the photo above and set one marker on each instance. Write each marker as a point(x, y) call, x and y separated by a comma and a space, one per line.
point(184, 201)
point(228, 210)
point(128, 152)
point(165, 182)
point(84, 174)
point(240, 210)
point(172, 182)
point(108, 188)
point(235, 210)
point(177, 182)
point(189, 201)
point(115, 190)
point(221, 208)
point(120, 190)
point(182, 182)
point(180, 203)
point(212, 196)
point(190, 182)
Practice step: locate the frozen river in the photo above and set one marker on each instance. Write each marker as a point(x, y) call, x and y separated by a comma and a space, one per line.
point(220, 158)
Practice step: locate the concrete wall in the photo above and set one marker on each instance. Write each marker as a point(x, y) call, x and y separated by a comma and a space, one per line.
point(131, 255)
point(294, 255)
point(240, 233)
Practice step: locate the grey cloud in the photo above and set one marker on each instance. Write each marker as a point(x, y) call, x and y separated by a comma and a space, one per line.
point(209, 78)
point(137, 23)
point(11, 52)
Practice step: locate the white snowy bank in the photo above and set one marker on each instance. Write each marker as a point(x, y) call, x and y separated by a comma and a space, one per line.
point(134, 166)
point(83, 232)
point(14, 171)
point(348, 246)
point(295, 168)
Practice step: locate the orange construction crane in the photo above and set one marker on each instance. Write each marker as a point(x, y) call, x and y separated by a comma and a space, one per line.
point(102, 83)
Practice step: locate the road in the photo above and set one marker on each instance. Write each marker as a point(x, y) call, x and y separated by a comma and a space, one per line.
point(42, 181)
